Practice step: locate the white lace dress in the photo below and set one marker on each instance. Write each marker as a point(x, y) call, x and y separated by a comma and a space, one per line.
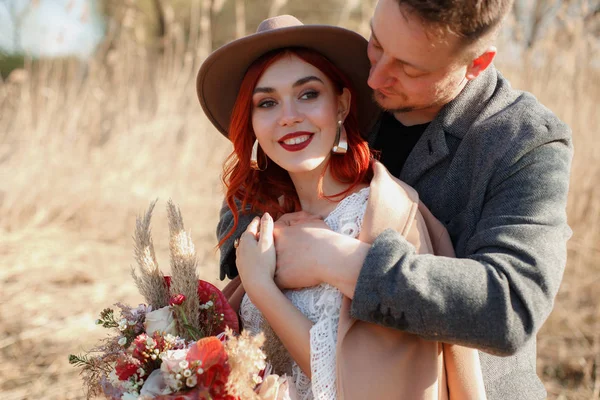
point(321, 304)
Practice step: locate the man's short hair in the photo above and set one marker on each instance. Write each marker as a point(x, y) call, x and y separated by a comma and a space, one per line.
point(470, 20)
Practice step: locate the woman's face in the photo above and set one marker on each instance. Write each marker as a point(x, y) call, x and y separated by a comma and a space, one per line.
point(295, 109)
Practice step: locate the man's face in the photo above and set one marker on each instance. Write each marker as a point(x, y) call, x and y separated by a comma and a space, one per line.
point(412, 71)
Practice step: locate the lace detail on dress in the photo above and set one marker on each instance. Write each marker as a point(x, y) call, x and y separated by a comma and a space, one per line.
point(347, 217)
point(321, 305)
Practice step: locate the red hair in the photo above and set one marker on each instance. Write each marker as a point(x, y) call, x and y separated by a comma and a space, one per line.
point(260, 191)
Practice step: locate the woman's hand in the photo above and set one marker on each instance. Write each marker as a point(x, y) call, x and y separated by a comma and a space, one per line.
point(255, 255)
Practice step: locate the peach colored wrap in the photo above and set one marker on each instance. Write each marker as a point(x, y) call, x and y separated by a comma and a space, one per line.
point(375, 362)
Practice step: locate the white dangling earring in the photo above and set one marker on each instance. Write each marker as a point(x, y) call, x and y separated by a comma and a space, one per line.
point(340, 146)
point(254, 158)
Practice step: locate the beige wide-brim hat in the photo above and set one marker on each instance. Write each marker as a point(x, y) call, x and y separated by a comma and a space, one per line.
point(222, 72)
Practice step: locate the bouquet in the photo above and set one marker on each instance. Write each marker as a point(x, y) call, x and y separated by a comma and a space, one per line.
point(184, 343)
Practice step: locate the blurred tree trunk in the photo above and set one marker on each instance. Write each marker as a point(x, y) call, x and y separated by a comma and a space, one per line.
point(240, 18)
point(206, 28)
point(215, 9)
point(161, 22)
point(536, 18)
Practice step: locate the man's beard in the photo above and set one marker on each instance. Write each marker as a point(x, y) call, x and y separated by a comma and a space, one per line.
point(393, 110)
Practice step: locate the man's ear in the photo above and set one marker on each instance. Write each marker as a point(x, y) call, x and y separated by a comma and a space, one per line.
point(344, 100)
point(481, 63)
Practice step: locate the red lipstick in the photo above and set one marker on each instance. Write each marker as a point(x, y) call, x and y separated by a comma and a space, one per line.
point(298, 146)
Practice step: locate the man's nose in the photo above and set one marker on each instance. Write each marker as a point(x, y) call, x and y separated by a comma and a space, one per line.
point(379, 75)
point(290, 114)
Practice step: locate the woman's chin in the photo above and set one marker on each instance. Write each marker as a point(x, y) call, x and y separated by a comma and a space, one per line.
point(304, 167)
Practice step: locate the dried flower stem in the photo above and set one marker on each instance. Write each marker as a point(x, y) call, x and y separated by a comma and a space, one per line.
point(150, 282)
point(183, 268)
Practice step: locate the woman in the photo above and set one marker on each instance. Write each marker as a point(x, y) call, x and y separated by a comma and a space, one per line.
point(288, 97)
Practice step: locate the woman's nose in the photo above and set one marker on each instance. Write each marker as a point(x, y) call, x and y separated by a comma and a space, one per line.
point(290, 114)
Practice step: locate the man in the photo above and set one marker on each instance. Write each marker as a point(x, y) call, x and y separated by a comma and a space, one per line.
point(490, 162)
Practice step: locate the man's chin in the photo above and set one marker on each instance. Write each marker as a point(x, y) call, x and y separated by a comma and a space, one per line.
point(388, 104)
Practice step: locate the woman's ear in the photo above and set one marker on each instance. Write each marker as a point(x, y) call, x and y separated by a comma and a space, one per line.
point(344, 100)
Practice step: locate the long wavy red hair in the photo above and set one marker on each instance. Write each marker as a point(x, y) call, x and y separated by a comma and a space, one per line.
point(255, 191)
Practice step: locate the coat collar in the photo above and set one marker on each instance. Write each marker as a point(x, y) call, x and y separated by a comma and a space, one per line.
point(455, 119)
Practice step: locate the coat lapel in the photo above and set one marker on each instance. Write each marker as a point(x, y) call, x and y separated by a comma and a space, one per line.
point(456, 119)
point(429, 151)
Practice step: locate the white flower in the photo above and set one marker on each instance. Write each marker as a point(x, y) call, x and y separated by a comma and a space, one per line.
point(160, 320)
point(123, 324)
point(191, 381)
point(122, 341)
point(170, 366)
point(150, 343)
point(129, 396)
point(171, 360)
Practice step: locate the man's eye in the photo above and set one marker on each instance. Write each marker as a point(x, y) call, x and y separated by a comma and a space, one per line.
point(311, 94)
point(375, 44)
point(413, 73)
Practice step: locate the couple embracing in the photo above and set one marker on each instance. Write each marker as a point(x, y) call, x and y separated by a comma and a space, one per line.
point(395, 212)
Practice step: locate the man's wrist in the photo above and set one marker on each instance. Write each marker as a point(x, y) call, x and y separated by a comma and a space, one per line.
point(342, 272)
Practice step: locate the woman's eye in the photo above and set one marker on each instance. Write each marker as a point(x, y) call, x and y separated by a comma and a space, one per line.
point(311, 94)
point(266, 104)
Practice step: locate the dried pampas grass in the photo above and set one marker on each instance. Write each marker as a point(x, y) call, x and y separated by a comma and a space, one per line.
point(150, 282)
point(183, 266)
point(184, 280)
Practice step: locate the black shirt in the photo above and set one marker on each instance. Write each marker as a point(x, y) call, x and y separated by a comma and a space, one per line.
point(395, 142)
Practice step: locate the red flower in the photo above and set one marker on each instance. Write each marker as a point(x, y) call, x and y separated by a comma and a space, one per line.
point(176, 300)
point(125, 368)
point(211, 353)
point(206, 292)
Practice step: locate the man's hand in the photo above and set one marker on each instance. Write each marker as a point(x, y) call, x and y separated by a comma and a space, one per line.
point(309, 253)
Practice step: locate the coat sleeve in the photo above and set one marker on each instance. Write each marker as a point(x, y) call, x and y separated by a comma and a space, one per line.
point(498, 295)
point(227, 259)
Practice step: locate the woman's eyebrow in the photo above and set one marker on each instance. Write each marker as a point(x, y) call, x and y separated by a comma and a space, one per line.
point(307, 79)
point(263, 90)
point(299, 82)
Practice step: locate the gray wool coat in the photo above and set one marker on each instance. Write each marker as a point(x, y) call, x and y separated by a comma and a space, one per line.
point(493, 167)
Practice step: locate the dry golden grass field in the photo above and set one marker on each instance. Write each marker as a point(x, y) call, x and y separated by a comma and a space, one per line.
point(84, 150)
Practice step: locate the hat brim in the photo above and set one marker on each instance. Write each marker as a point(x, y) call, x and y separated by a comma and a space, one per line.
point(222, 72)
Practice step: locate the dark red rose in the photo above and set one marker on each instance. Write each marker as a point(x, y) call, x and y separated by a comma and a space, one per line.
point(176, 300)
